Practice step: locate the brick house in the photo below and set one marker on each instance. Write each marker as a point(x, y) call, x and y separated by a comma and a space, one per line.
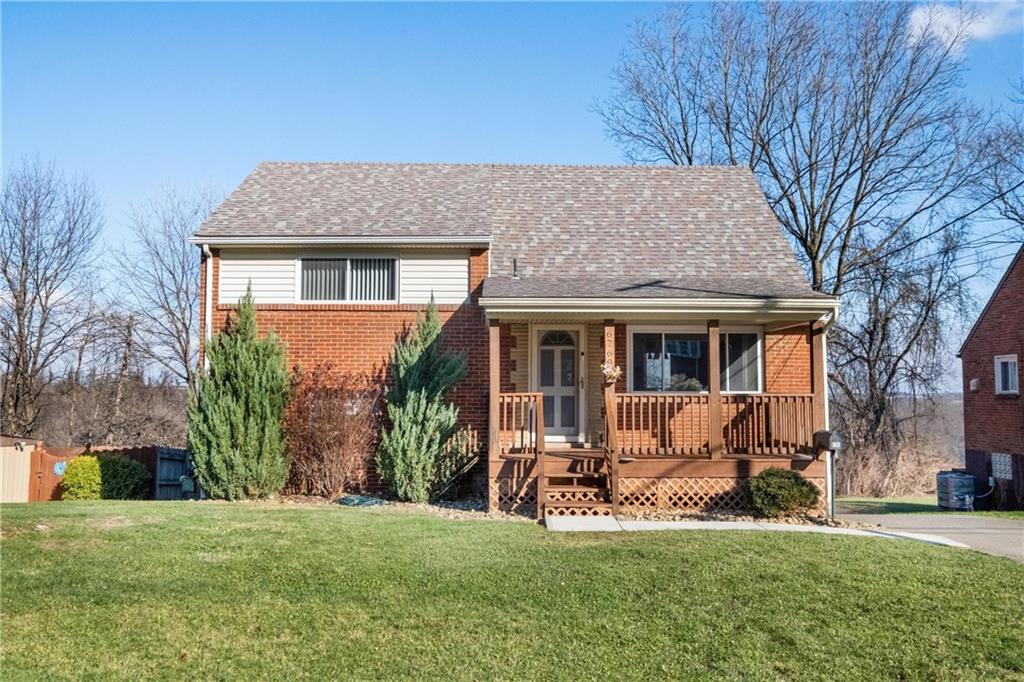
point(991, 357)
point(681, 277)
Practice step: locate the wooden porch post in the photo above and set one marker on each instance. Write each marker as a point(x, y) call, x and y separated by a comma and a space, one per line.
point(611, 436)
point(714, 392)
point(493, 426)
point(494, 395)
point(818, 375)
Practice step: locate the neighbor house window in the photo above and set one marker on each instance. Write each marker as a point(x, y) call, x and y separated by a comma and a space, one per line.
point(740, 357)
point(1007, 373)
point(348, 279)
point(678, 361)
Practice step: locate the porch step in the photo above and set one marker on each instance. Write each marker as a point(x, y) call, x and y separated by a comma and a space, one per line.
point(517, 457)
point(576, 474)
point(575, 454)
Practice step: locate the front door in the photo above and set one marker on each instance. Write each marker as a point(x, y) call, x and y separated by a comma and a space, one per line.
point(558, 380)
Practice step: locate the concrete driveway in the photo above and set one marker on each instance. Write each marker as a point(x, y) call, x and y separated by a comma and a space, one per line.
point(1003, 537)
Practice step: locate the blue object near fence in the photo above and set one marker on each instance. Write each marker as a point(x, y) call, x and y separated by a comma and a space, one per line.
point(360, 501)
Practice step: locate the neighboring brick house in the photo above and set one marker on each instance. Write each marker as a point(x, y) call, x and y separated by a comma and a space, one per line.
point(680, 276)
point(993, 407)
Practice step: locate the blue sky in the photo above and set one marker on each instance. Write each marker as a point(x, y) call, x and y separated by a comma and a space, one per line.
point(138, 96)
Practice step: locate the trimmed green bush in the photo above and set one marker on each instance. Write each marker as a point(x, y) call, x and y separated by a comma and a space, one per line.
point(234, 430)
point(777, 491)
point(412, 454)
point(82, 479)
point(122, 478)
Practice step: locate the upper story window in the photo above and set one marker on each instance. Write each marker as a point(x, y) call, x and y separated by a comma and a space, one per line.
point(1007, 373)
point(349, 279)
point(678, 361)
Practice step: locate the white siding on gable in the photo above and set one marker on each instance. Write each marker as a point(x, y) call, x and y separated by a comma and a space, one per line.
point(445, 274)
point(271, 272)
point(273, 276)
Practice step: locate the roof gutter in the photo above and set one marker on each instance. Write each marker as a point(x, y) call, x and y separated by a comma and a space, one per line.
point(332, 240)
point(681, 306)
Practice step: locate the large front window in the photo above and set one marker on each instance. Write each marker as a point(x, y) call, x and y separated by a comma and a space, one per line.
point(670, 362)
point(348, 279)
point(678, 361)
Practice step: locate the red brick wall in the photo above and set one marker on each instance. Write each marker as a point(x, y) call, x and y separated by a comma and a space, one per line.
point(787, 361)
point(995, 423)
point(359, 338)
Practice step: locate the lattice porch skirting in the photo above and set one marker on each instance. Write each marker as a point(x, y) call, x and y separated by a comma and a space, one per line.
point(690, 494)
point(512, 495)
point(553, 510)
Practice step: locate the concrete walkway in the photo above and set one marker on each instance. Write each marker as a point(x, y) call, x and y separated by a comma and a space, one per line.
point(1002, 537)
point(608, 524)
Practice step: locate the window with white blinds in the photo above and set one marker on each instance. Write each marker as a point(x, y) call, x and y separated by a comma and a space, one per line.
point(348, 279)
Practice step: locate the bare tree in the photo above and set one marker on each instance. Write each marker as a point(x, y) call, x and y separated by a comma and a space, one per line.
point(160, 273)
point(888, 360)
point(48, 236)
point(853, 119)
point(856, 127)
point(1005, 179)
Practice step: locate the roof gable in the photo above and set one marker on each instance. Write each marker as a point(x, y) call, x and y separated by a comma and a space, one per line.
point(1017, 262)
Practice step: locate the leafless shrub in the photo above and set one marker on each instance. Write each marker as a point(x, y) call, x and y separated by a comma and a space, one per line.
point(331, 426)
point(873, 473)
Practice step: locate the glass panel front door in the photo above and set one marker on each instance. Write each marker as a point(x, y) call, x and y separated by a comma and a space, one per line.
point(558, 380)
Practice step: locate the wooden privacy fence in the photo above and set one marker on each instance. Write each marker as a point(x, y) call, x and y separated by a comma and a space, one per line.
point(651, 425)
point(15, 470)
point(35, 473)
point(166, 465)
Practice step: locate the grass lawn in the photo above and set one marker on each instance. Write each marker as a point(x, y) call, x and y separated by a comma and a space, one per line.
point(217, 591)
point(909, 505)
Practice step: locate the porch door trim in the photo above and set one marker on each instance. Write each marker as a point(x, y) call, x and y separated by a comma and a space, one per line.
point(536, 332)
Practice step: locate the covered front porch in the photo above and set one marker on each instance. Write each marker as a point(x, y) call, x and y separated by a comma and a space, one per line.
point(569, 437)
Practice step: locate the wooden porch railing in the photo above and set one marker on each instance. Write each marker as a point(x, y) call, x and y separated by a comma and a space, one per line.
point(662, 425)
point(651, 425)
point(521, 434)
point(521, 423)
point(768, 424)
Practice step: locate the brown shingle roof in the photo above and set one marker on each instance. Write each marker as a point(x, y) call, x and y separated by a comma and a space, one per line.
point(685, 225)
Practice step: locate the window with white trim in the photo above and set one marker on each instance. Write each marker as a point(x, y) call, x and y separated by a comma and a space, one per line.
point(665, 361)
point(1007, 375)
point(349, 279)
point(676, 360)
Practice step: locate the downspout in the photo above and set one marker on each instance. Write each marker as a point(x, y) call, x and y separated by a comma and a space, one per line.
point(208, 306)
point(830, 458)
